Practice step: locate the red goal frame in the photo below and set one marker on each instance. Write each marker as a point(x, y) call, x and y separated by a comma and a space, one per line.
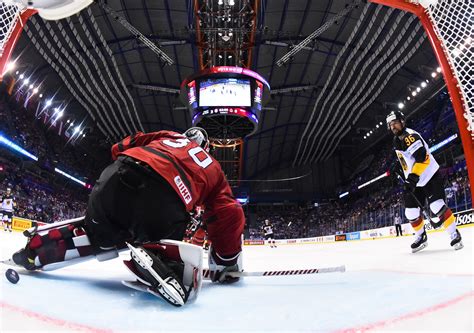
point(449, 78)
point(15, 35)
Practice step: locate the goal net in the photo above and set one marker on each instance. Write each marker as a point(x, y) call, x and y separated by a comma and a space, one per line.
point(449, 25)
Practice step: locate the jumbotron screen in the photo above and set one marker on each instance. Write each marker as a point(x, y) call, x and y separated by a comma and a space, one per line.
point(225, 92)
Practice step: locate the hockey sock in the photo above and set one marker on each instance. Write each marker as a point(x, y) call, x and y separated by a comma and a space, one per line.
point(449, 221)
point(418, 225)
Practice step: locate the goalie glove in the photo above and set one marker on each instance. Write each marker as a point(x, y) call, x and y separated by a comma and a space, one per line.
point(168, 269)
point(220, 266)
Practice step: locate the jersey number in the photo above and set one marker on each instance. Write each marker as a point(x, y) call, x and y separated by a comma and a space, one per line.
point(203, 162)
point(409, 140)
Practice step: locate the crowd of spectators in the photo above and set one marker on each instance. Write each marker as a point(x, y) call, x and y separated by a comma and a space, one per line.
point(37, 199)
point(40, 193)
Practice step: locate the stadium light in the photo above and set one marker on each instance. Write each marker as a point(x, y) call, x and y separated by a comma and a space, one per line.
point(17, 148)
point(408, 98)
point(456, 52)
point(70, 177)
point(381, 123)
point(423, 84)
point(35, 91)
point(413, 93)
point(49, 102)
point(377, 126)
point(77, 129)
point(418, 89)
point(438, 69)
point(41, 96)
point(433, 75)
point(22, 76)
point(10, 66)
point(401, 105)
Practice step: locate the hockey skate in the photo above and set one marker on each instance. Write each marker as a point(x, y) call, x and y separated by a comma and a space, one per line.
point(456, 240)
point(420, 243)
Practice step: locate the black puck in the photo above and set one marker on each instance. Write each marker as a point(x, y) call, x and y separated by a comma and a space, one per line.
point(12, 276)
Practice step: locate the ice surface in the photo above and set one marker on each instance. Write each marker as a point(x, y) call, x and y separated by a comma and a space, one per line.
point(385, 287)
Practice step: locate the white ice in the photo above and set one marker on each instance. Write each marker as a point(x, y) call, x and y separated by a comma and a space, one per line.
point(385, 287)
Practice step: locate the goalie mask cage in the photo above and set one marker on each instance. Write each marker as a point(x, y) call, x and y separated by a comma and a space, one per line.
point(450, 30)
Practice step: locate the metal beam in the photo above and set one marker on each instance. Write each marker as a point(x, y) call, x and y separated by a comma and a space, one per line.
point(156, 88)
point(317, 32)
point(136, 33)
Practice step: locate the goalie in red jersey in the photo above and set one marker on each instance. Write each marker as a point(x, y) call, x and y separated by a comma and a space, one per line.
point(142, 201)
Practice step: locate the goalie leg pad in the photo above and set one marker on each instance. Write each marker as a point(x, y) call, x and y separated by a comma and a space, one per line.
point(64, 243)
point(171, 269)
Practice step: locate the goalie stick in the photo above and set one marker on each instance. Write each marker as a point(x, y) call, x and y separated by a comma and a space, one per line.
point(341, 269)
point(139, 286)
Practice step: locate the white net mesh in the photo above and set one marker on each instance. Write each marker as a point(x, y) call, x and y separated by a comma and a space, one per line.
point(453, 21)
point(9, 13)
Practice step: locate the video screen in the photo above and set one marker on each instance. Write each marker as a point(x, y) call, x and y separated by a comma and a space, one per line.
point(224, 92)
point(258, 95)
point(192, 94)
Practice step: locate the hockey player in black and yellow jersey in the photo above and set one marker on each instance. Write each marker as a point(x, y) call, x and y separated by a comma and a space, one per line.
point(419, 170)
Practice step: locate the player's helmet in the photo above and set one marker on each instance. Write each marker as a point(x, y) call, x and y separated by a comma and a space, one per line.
point(395, 115)
point(198, 135)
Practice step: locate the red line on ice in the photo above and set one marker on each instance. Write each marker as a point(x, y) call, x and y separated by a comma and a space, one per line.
point(53, 321)
point(419, 313)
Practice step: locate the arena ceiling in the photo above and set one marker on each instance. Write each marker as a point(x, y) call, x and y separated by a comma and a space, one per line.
point(324, 99)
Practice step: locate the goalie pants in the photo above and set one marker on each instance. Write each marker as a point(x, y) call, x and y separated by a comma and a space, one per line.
point(131, 202)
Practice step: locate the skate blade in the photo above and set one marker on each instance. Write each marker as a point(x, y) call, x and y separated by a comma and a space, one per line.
point(419, 248)
point(458, 246)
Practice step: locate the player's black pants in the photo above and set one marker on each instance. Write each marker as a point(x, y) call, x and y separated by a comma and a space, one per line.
point(131, 202)
point(398, 228)
point(432, 191)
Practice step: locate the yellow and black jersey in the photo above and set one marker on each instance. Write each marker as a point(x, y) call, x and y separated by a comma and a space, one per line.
point(414, 156)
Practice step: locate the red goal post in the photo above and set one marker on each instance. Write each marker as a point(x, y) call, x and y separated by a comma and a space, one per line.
point(12, 20)
point(446, 23)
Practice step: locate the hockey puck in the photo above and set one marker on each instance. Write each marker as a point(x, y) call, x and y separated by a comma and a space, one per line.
point(12, 276)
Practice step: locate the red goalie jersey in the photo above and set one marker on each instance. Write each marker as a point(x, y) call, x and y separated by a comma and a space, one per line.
point(197, 178)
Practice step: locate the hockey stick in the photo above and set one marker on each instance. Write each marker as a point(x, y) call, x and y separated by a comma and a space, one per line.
point(425, 213)
point(36, 229)
point(341, 269)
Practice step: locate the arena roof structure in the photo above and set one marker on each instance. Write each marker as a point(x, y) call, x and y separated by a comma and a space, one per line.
point(335, 68)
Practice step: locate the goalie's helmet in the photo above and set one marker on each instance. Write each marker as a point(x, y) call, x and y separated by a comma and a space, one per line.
point(395, 115)
point(198, 135)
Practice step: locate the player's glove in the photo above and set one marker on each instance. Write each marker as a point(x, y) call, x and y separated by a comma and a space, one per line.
point(396, 170)
point(220, 266)
point(411, 181)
